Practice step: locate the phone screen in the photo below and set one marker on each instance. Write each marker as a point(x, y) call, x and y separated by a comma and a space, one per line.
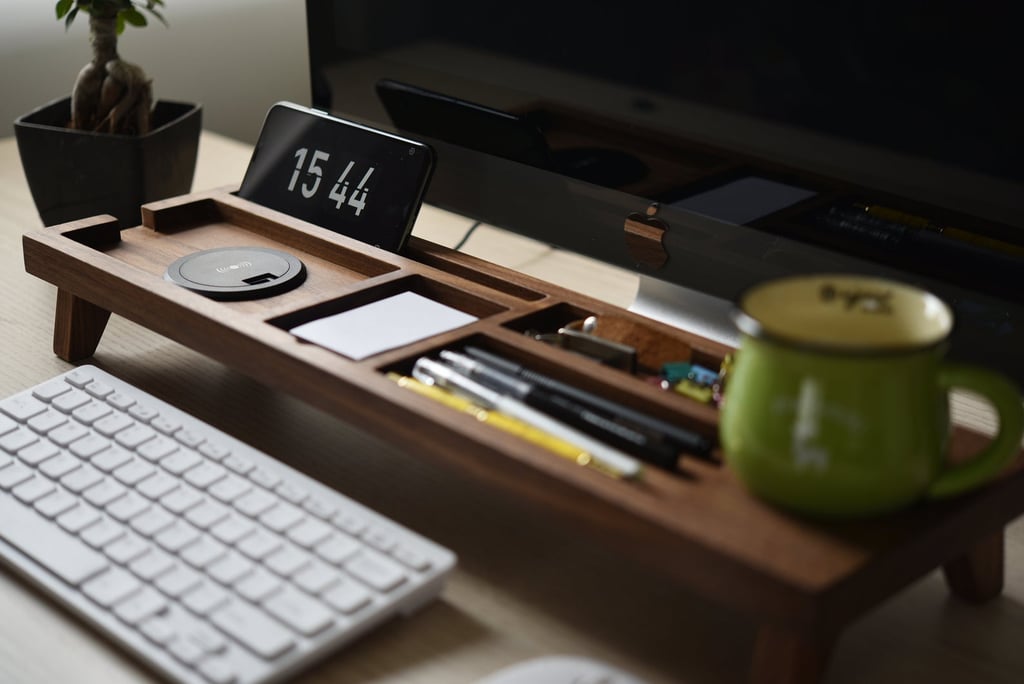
point(352, 179)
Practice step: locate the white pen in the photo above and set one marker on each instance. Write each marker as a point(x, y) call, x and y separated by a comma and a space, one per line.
point(432, 372)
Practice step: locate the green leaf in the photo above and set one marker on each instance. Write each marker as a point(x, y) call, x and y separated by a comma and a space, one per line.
point(157, 15)
point(70, 18)
point(132, 16)
point(120, 24)
point(63, 7)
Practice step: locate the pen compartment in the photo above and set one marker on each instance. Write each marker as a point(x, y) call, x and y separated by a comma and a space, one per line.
point(582, 375)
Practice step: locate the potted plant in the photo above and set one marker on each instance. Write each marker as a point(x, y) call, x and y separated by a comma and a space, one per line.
point(107, 148)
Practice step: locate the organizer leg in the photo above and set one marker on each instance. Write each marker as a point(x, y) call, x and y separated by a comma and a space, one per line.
point(786, 656)
point(977, 574)
point(77, 327)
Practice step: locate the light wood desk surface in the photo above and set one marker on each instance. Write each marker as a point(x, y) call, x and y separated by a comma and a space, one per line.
point(525, 586)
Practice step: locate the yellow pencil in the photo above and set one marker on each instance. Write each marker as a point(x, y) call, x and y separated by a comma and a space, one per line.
point(505, 423)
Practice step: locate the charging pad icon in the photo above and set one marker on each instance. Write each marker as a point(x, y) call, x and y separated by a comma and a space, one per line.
point(234, 273)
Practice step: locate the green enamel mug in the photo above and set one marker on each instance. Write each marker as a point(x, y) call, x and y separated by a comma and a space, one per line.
point(837, 405)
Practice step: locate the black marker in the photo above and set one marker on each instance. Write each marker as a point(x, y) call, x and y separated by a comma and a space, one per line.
point(568, 411)
point(685, 440)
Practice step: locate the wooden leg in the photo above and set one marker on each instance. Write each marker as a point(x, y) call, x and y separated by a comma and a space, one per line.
point(786, 656)
point(77, 327)
point(977, 574)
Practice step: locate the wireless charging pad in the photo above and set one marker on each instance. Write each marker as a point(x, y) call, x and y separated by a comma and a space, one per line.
point(237, 272)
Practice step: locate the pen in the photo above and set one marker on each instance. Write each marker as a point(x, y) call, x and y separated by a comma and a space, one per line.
point(502, 422)
point(426, 370)
point(567, 410)
point(687, 440)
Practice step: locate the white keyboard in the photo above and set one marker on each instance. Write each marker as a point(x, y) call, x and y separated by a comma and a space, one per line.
point(207, 559)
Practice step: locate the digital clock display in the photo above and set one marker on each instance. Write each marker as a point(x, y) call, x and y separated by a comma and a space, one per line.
point(352, 179)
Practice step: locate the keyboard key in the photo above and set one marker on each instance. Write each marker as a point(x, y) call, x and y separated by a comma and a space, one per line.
point(53, 548)
point(50, 390)
point(207, 514)
point(347, 596)
point(89, 446)
point(141, 606)
point(6, 424)
point(56, 503)
point(14, 474)
point(102, 533)
point(13, 442)
point(259, 633)
point(152, 564)
point(232, 529)
point(337, 548)
point(69, 401)
point(177, 536)
point(104, 493)
point(259, 545)
point(67, 433)
point(78, 518)
point(23, 407)
point(151, 522)
point(217, 671)
point(205, 474)
point(258, 585)
point(58, 466)
point(229, 489)
point(230, 569)
point(35, 454)
point(33, 488)
point(299, 611)
point(157, 448)
point(203, 553)
point(128, 507)
point(111, 587)
point(181, 499)
point(91, 411)
point(133, 472)
point(309, 533)
point(157, 485)
point(99, 389)
point(135, 436)
point(287, 561)
point(111, 459)
point(317, 577)
point(126, 549)
point(254, 503)
point(282, 517)
point(112, 424)
point(178, 581)
point(378, 572)
point(205, 598)
point(82, 478)
point(45, 421)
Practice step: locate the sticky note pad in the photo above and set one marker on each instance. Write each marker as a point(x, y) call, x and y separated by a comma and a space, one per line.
point(382, 325)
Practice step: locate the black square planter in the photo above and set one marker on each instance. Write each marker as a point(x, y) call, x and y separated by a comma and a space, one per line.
point(76, 174)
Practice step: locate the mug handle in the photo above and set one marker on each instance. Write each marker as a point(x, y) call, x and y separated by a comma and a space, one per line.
point(1009, 405)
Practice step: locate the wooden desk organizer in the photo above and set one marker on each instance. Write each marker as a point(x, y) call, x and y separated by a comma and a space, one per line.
point(801, 582)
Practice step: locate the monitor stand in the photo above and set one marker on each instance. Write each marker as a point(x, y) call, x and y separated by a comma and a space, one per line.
point(690, 310)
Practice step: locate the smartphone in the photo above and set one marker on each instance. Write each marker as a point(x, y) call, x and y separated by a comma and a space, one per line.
point(436, 115)
point(347, 177)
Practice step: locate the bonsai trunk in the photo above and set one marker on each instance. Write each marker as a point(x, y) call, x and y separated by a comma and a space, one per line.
point(110, 95)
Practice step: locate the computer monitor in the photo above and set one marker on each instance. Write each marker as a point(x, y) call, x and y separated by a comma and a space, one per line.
point(712, 146)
